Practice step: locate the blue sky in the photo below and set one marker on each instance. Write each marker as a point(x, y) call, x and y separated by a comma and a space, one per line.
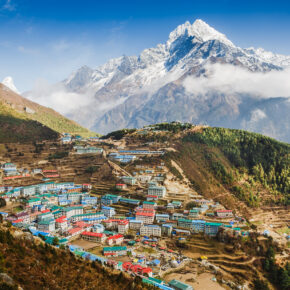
point(48, 39)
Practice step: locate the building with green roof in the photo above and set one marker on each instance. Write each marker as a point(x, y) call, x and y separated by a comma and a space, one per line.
point(178, 285)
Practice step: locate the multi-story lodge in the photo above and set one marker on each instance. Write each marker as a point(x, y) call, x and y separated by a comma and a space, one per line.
point(150, 230)
point(160, 191)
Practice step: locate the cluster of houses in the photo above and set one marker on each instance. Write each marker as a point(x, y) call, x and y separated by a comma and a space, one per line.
point(127, 156)
point(87, 150)
point(70, 212)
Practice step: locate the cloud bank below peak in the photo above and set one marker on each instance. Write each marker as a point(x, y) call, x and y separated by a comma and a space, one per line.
point(230, 79)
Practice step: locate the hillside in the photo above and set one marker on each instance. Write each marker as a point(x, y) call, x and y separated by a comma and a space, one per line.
point(14, 106)
point(17, 127)
point(31, 264)
point(241, 170)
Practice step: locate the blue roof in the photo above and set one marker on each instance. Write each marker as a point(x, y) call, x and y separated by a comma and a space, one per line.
point(37, 233)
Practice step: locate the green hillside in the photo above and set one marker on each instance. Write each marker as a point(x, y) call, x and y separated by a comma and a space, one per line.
point(240, 169)
point(26, 109)
point(16, 127)
point(253, 167)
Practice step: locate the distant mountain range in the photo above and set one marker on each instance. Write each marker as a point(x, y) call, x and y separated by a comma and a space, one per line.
point(22, 120)
point(197, 76)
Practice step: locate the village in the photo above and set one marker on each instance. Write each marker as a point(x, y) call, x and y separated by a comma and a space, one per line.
point(132, 226)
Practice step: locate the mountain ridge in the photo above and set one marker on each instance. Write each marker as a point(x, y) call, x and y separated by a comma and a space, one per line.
point(125, 85)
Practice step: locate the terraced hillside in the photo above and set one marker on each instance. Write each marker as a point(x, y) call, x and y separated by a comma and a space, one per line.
point(18, 112)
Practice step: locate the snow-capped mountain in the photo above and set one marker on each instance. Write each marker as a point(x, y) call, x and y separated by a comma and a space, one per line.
point(198, 75)
point(9, 83)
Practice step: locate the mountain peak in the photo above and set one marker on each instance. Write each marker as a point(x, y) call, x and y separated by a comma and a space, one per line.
point(198, 29)
point(8, 82)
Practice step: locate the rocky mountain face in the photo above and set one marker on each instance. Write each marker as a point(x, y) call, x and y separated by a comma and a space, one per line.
point(197, 76)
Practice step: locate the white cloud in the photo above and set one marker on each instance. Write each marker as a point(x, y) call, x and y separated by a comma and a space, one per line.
point(231, 79)
point(257, 115)
point(57, 97)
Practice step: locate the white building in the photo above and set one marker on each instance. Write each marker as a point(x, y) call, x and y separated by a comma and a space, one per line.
point(28, 190)
point(145, 217)
point(129, 180)
point(149, 204)
point(144, 178)
point(108, 211)
point(71, 211)
point(135, 224)
point(159, 191)
point(123, 227)
point(150, 230)
point(46, 226)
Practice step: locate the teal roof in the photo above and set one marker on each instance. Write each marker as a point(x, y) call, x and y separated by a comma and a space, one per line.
point(117, 248)
point(45, 222)
point(71, 208)
point(179, 285)
point(33, 199)
point(214, 224)
point(148, 202)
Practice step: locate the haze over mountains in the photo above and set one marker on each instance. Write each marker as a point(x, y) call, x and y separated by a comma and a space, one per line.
point(197, 76)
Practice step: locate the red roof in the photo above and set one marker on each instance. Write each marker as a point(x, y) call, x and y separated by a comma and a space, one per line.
point(115, 237)
point(45, 211)
point(145, 213)
point(224, 210)
point(81, 224)
point(74, 230)
point(120, 184)
point(99, 235)
point(146, 270)
point(18, 221)
point(61, 219)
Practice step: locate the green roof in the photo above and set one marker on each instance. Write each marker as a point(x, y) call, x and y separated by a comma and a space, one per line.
point(117, 248)
point(148, 202)
point(45, 222)
point(49, 240)
point(147, 281)
point(78, 253)
point(155, 280)
point(185, 220)
point(33, 199)
point(179, 285)
point(129, 199)
point(214, 224)
point(71, 208)
point(110, 233)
